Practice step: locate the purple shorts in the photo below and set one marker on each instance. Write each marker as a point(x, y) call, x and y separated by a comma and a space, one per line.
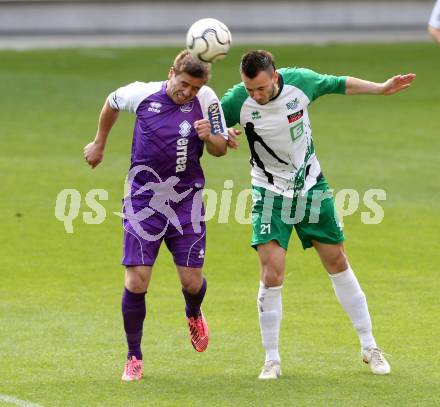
point(183, 232)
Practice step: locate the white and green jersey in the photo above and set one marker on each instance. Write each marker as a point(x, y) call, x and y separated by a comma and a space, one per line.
point(279, 133)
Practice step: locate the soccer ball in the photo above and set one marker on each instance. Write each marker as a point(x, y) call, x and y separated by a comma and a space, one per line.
point(208, 39)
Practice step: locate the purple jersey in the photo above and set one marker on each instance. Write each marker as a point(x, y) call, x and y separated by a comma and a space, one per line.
point(164, 138)
point(165, 177)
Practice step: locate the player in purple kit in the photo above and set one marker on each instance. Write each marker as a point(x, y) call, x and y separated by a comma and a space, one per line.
point(175, 119)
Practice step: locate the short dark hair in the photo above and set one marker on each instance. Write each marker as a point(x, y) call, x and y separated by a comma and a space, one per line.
point(187, 63)
point(254, 62)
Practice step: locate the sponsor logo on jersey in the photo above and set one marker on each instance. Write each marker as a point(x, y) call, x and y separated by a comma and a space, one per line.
point(293, 104)
point(256, 115)
point(155, 107)
point(184, 129)
point(296, 131)
point(215, 118)
point(187, 107)
point(292, 118)
point(182, 146)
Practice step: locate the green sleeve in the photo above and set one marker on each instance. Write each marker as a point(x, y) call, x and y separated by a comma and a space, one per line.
point(232, 101)
point(312, 83)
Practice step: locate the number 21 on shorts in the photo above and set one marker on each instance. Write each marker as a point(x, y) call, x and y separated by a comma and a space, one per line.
point(265, 229)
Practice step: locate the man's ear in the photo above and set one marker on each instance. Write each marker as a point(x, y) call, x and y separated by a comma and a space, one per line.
point(171, 73)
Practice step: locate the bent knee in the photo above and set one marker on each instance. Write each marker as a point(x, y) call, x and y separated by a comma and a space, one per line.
point(337, 263)
point(341, 262)
point(136, 285)
point(192, 283)
point(272, 277)
point(192, 287)
point(136, 281)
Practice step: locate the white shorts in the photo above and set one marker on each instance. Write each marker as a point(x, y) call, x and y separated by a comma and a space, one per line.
point(434, 21)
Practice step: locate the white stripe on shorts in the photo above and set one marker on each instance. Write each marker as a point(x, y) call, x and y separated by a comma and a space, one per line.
point(189, 251)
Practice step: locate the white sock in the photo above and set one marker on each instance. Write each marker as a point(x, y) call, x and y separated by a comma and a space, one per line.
point(270, 313)
point(352, 299)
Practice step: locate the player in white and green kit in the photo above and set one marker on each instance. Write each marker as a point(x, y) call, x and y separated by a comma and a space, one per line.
point(290, 191)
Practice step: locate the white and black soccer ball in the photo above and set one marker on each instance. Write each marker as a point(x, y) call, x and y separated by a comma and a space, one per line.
point(208, 39)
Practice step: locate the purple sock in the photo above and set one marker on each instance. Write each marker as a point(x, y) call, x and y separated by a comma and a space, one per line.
point(133, 313)
point(193, 301)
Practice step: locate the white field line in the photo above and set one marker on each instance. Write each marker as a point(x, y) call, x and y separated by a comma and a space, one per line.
point(17, 402)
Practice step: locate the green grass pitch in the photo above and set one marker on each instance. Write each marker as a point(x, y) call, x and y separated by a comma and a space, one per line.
point(61, 336)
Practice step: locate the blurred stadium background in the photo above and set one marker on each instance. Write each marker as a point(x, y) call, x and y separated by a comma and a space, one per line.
point(53, 23)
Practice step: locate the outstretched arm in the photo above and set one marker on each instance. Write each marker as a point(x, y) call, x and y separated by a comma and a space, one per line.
point(94, 151)
point(355, 86)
